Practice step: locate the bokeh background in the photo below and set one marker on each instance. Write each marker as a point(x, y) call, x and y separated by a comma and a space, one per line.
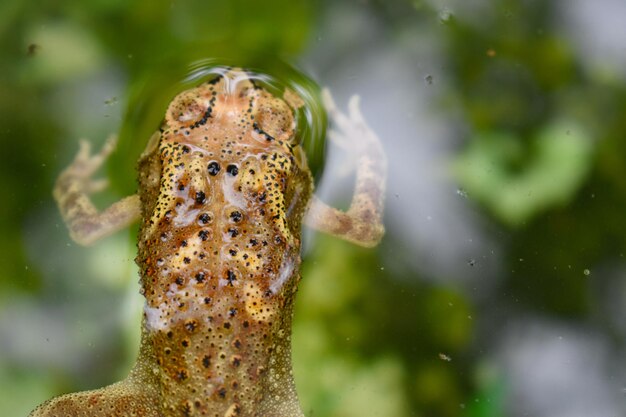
point(499, 289)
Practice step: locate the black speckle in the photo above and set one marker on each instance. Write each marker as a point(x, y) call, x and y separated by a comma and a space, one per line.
point(232, 312)
point(232, 169)
point(206, 361)
point(204, 218)
point(233, 232)
point(200, 277)
point(187, 260)
point(203, 235)
point(200, 197)
point(230, 276)
point(213, 168)
point(236, 216)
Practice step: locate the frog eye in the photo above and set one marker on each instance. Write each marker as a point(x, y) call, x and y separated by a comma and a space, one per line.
point(188, 110)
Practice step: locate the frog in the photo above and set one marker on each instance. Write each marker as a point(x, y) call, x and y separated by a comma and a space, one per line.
point(223, 192)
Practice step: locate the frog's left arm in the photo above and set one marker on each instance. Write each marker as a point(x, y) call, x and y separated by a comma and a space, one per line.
point(362, 223)
point(72, 190)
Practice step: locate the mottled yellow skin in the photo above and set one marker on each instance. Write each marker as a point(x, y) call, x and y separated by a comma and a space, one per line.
point(223, 191)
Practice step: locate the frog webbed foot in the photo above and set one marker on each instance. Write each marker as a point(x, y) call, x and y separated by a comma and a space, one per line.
point(72, 190)
point(80, 172)
point(362, 222)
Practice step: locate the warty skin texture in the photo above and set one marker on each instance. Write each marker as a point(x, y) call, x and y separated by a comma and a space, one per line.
point(223, 191)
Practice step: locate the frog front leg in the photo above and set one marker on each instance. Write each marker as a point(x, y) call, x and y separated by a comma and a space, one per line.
point(362, 223)
point(71, 192)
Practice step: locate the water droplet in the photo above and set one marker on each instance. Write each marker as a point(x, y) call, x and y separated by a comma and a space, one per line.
point(429, 79)
point(461, 192)
point(586, 272)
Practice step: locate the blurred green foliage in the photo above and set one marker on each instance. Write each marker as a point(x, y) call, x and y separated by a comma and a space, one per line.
point(517, 183)
point(540, 156)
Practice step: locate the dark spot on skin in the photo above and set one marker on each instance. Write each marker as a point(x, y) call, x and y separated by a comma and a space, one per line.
point(232, 312)
point(185, 343)
point(170, 334)
point(187, 260)
point(230, 276)
point(227, 325)
point(236, 216)
point(254, 242)
point(246, 324)
point(213, 168)
point(183, 243)
point(186, 149)
point(207, 300)
point(200, 277)
point(181, 375)
point(237, 342)
point(203, 235)
point(236, 361)
point(191, 325)
point(179, 281)
point(232, 169)
point(232, 252)
point(233, 232)
point(204, 218)
point(206, 361)
point(222, 392)
point(200, 197)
